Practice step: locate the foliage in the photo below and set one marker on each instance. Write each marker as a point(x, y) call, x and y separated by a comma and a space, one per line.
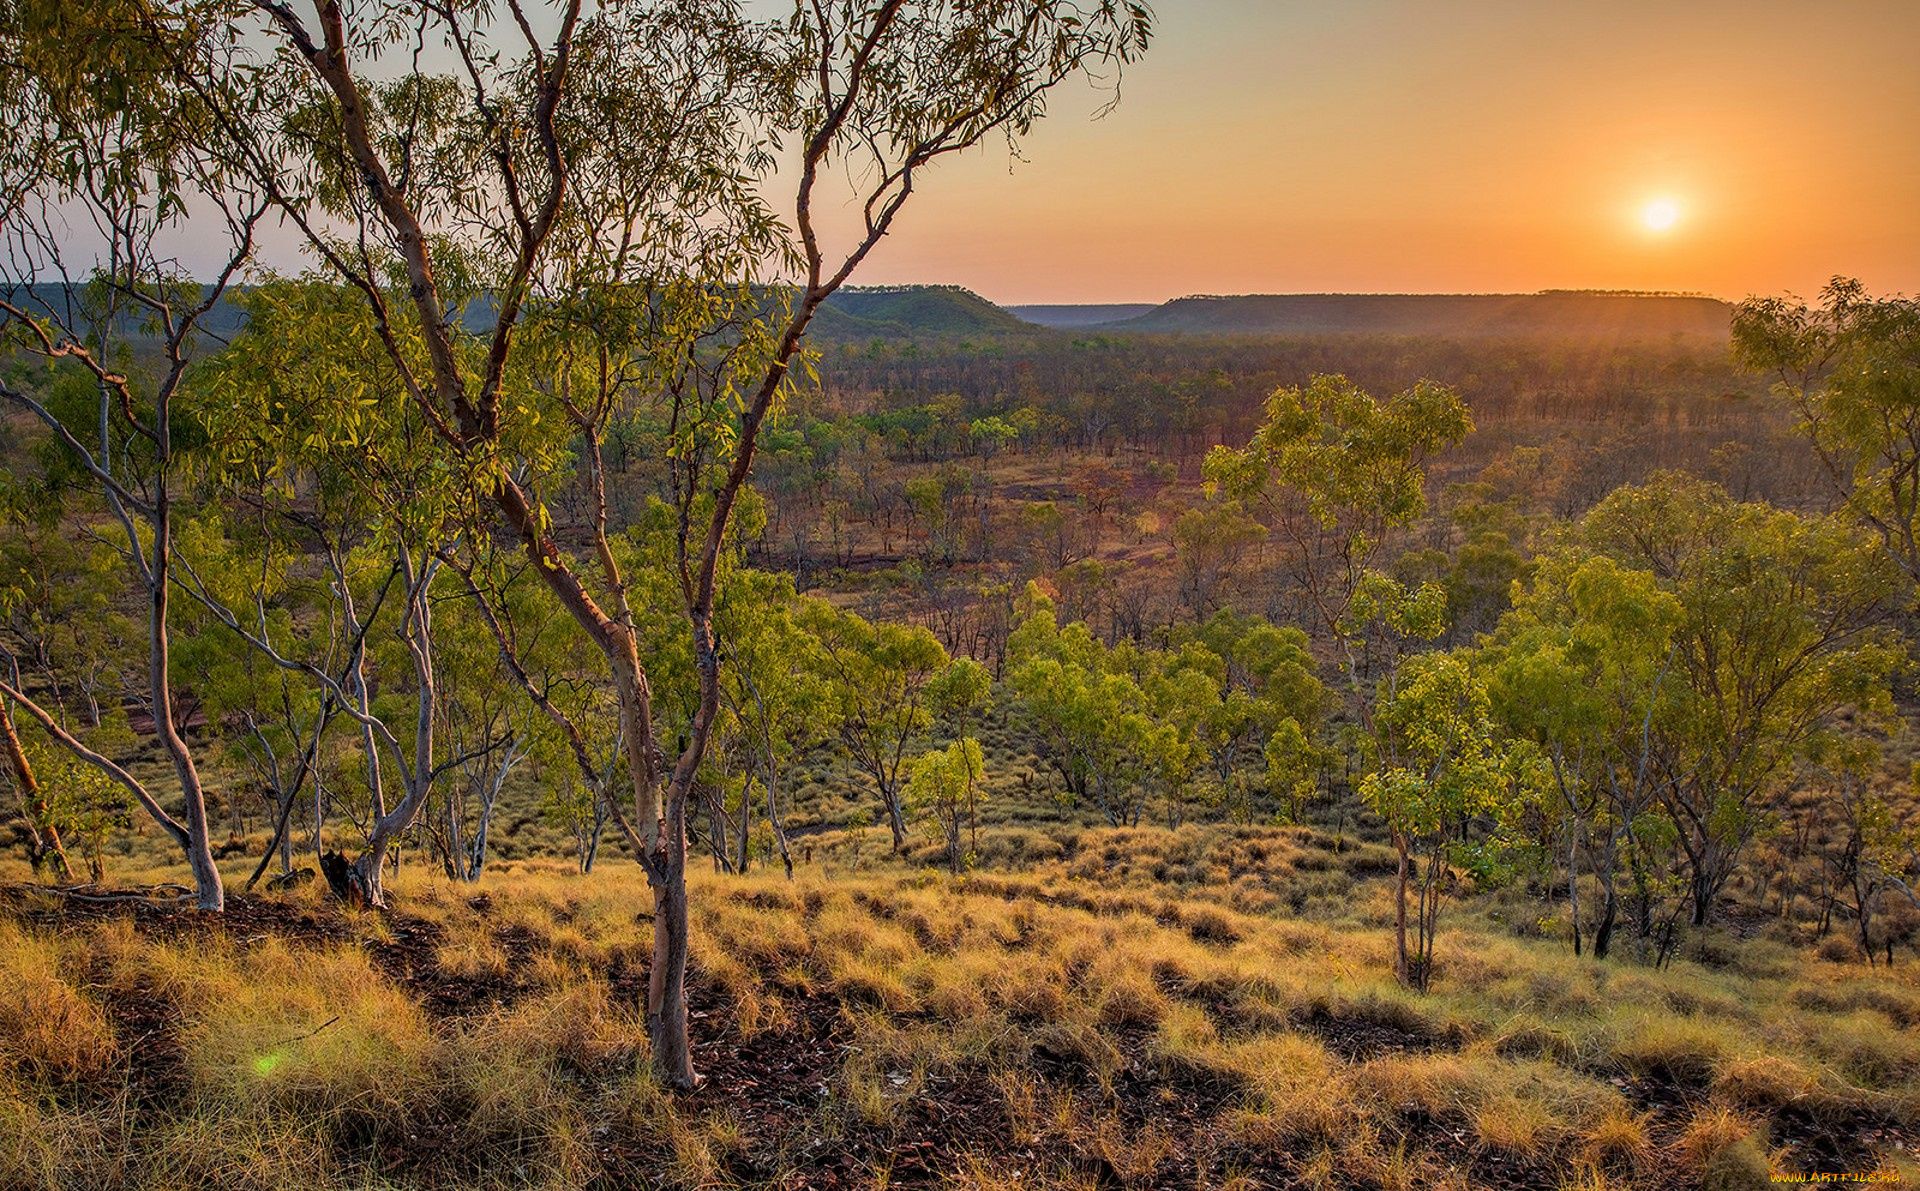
point(946, 785)
point(1443, 775)
point(1850, 369)
point(878, 677)
point(82, 803)
point(1338, 469)
point(1778, 636)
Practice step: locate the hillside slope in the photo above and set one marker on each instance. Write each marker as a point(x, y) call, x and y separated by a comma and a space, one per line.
point(907, 311)
point(1559, 313)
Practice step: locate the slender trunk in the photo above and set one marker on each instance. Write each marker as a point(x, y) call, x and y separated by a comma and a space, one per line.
point(590, 846)
point(779, 829)
point(387, 826)
point(897, 822)
point(1431, 890)
point(742, 839)
point(663, 854)
point(1603, 933)
point(477, 857)
point(717, 835)
point(210, 895)
point(281, 842)
point(46, 848)
point(667, 980)
point(1573, 882)
point(1400, 969)
point(1703, 891)
point(455, 861)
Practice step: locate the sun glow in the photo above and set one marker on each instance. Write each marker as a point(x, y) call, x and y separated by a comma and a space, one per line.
point(1660, 214)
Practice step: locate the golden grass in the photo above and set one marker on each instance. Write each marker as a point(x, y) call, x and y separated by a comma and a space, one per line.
point(313, 1031)
point(471, 954)
point(49, 1030)
point(1174, 963)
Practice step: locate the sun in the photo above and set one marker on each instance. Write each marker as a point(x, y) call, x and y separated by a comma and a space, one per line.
point(1660, 214)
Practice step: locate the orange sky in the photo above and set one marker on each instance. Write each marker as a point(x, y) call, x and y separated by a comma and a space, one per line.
point(1468, 146)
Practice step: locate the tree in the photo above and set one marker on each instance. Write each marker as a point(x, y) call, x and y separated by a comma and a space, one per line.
point(879, 675)
point(963, 691)
point(1338, 470)
point(101, 128)
point(571, 220)
point(1864, 842)
point(44, 846)
point(945, 783)
point(1181, 690)
point(1673, 660)
point(1293, 768)
point(280, 723)
point(1440, 768)
point(489, 728)
point(1269, 688)
point(309, 433)
point(1850, 368)
point(989, 434)
point(1210, 542)
point(1089, 711)
point(1779, 636)
point(1580, 667)
point(773, 690)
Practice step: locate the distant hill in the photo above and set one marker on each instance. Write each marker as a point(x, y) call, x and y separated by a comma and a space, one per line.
point(1554, 313)
point(861, 315)
point(905, 311)
point(857, 315)
point(1068, 317)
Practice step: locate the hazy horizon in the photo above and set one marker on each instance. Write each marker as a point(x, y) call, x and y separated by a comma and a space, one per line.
point(1724, 148)
point(1502, 147)
point(1594, 290)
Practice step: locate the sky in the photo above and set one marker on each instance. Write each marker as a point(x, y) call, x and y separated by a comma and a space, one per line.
point(1412, 146)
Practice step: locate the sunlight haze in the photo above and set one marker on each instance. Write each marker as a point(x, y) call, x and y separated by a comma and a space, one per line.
point(1393, 146)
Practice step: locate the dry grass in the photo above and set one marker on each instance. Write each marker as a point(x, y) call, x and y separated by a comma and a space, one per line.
point(49, 1030)
point(1152, 1008)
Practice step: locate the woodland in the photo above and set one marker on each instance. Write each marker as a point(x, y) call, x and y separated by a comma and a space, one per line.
point(565, 689)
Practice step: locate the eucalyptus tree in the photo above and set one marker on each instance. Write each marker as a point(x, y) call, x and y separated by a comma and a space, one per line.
point(1441, 766)
point(1269, 688)
point(101, 166)
point(595, 181)
point(490, 728)
point(1779, 644)
point(573, 736)
point(1182, 690)
point(342, 504)
point(778, 699)
point(59, 630)
point(946, 783)
point(1086, 704)
point(773, 685)
point(279, 722)
point(879, 677)
point(960, 694)
point(45, 848)
point(1850, 368)
point(63, 618)
point(1581, 668)
point(1336, 470)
